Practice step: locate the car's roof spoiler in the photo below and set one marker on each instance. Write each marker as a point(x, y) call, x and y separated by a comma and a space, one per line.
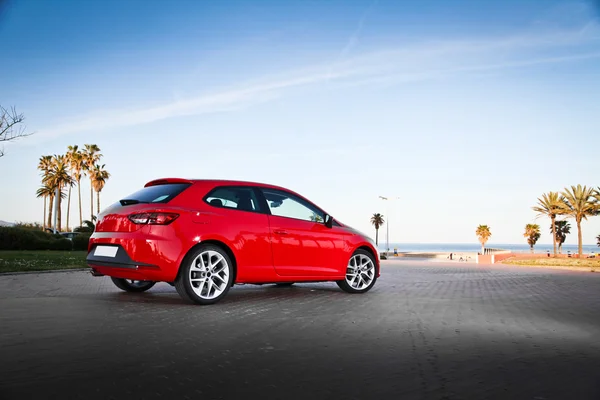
point(164, 181)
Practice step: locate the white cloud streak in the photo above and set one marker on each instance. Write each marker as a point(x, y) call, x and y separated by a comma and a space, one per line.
point(418, 62)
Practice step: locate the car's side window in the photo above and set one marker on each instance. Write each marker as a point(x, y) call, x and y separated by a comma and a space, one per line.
point(285, 204)
point(236, 197)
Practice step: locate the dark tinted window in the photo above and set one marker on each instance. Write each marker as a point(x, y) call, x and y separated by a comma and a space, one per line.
point(237, 197)
point(159, 193)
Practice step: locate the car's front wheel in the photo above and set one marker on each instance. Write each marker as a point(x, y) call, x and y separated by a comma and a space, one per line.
point(361, 273)
point(130, 285)
point(205, 276)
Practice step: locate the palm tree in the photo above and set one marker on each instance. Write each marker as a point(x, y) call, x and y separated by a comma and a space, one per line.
point(483, 234)
point(58, 178)
point(77, 164)
point(91, 155)
point(377, 221)
point(598, 240)
point(550, 204)
point(44, 165)
point(87, 226)
point(563, 228)
point(316, 218)
point(579, 204)
point(99, 177)
point(532, 233)
point(45, 192)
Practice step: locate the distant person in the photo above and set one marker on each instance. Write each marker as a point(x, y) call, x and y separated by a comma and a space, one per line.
point(451, 256)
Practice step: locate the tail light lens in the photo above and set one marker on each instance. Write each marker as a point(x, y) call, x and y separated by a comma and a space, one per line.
point(153, 218)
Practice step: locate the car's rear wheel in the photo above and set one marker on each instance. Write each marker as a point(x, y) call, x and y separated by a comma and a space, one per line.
point(130, 285)
point(361, 273)
point(205, 276)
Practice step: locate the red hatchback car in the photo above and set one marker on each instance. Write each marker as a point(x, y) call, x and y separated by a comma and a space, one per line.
point(204, 236)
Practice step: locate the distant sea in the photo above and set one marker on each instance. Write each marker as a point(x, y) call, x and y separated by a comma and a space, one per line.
point(475, 247)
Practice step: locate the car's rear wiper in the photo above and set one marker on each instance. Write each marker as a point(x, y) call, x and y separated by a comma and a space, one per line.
point(127, 202)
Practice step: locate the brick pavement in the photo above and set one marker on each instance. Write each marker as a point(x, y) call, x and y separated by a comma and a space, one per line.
point(426, 331)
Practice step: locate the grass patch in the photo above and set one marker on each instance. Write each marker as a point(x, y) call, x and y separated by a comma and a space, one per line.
point(583, 263)
point(43, 260)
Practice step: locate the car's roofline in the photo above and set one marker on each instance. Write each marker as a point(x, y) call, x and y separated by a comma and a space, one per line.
point(215, 181)
point(228, 182)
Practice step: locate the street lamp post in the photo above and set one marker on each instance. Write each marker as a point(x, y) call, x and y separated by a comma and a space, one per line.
point(387, 235)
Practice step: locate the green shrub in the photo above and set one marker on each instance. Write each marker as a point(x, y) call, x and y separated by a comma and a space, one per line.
point(61, 244)
point(29, 225)
point(80, 242)
point(14, 238)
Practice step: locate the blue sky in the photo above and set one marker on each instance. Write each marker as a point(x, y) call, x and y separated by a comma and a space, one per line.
point(466, 110)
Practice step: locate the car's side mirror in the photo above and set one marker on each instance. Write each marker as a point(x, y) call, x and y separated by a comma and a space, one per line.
point(328, 221)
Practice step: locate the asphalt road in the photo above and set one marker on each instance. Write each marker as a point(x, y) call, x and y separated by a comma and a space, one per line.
point(426, 331)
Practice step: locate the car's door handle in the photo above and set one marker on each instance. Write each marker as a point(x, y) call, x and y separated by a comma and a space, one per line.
point(280, 232)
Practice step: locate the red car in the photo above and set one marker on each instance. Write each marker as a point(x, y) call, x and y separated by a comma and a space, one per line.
point(204, 236)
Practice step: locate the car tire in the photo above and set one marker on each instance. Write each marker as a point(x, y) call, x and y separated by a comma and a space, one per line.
point(130, 285)
point(205, 275)
point(284, 284)
point(361, 273)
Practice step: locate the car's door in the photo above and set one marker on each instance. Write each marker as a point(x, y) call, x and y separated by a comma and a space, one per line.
point(240, 219)
point(301, 244)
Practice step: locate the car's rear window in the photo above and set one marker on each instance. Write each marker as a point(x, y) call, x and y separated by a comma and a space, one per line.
point(158, 193)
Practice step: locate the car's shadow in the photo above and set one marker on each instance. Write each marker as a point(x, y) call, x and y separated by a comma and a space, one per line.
point(167, 295)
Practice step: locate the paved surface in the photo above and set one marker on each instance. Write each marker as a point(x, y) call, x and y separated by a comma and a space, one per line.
point(426, 331)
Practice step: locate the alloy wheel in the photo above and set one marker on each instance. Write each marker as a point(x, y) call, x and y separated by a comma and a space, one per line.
point(360, 272)
point(209, 275)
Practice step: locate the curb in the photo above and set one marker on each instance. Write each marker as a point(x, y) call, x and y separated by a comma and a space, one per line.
point(52, 271)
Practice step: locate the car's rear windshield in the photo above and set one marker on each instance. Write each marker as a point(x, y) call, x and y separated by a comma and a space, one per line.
point(157, 194)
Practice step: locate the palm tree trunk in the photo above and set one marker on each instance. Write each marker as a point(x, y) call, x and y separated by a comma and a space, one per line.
point(531, 248)
point(79, 192)
point(482, 249)
point(579, 239)
point(91, 201)
point(98, 194)
point(554, 233)
point(59, 212)
point(68, 207)
point(51, 203)
point(44, 219)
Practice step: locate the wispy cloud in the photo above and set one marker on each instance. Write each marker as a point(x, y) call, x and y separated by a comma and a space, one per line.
point(353, 39)
point(433, 60)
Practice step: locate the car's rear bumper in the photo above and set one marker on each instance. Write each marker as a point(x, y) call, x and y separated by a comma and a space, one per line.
point(120, 260)
point(139, 255)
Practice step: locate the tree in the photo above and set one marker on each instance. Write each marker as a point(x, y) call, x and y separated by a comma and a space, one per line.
point(76, 165)
point(483, 234)
point(598, 240)
point(316, 218)
point(579, 204)
point(532, 234)
point(45, 192)
point(550, 205)
point(563, 228)
point(87, 226)
point(91, 155)
point(377, 221)
point(11, 126)
point(44, 165)
point(58, 178)
point(99, 177)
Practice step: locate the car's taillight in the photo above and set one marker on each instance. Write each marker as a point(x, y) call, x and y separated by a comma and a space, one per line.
point(153, 218)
